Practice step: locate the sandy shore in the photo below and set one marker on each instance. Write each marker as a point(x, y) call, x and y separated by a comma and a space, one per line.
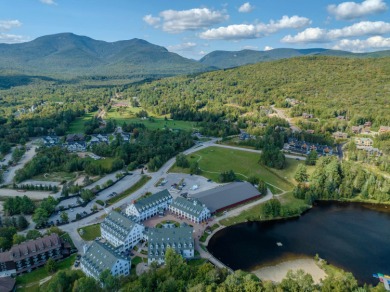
point(277, 272)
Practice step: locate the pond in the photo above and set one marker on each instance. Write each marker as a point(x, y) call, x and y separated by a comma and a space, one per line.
point(354, 237)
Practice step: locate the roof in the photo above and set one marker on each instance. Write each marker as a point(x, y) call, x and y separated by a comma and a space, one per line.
point(100, 257)
point(118, 224)
point(152, 200)
point(7, 284)
point(226, 195)
point(189, 206)
point(161, 238)
point(33, 247)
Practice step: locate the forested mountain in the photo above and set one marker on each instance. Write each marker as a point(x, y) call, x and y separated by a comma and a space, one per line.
point(324, 86)
point(229, 59)
point(70, 54)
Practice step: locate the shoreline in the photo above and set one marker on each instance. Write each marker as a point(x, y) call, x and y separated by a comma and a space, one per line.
point(277, 272)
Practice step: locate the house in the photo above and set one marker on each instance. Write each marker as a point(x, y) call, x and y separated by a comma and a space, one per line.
point(307, 116)
point(367, 124)
point(28, 255)
point(76, 146)
point(357, 129)
point(227, 196)
point(121, 231)
point(341, 117)
point(97, 139)
point(149, 206)
point(125, 137)
point(340, 135)
point(191, 209)
point(384, 129)
point(366, 142)
point(100, 257)
point(310, 131)
point(51, 141)
point(179, 239)
point(244, 136)
point(75, 137)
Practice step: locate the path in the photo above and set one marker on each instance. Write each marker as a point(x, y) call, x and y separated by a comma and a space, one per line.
point(283, 115)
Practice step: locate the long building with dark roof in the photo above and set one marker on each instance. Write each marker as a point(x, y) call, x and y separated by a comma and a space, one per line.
point(227, 196)
point(30, 254)
point(191, 209)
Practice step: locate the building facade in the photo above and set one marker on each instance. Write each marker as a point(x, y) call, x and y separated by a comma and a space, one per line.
point(179, 239)
point(191, 209)
point(100, 257)
point(121, 231)
point(149, 206)
point(31, 254)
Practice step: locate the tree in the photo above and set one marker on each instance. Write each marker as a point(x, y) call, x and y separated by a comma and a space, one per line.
point(110, 282)
point(17, 238)
point(182, 161)
point(194, 168)
point(54, 229)
point(22, 223)
point(64, 217)
point(86, 284)
point(51, 266)
point(301, 173)
point(262, 187)
point(6, 236)
point(87, 195)
point(254, 180)
point(298, 281)
point(312, 158)
point(33, 234)
point(40, 216)
point(227, 176)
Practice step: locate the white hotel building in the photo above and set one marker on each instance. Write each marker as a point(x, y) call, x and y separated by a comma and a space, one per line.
point(191, 209)
point(121, 231)
point(100, 257)
point(149, 206)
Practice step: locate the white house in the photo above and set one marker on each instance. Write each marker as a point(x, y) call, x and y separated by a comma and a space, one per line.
point(191, 209)
point(100, 257)
point(150, 206)
point(179, 239)
point(121, 231)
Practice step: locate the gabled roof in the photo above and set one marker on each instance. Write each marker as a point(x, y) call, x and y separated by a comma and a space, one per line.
point(189, 206)
point(100, 257)
point(227, 195)
point(152, 200)
point(118, 224)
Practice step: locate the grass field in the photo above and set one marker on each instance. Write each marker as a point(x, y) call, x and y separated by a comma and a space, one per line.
point(77, 126)
point(214, 160)
point(143, 180)
point(41, 273)
point(55, 176)
point(90, 232)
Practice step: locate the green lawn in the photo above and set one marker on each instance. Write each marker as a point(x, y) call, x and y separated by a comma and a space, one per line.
point(77, 126)
point(39, 274)
point(142, 181)
point(56, 176)
point(106, 163)
point(214, 160)
point(90, 232)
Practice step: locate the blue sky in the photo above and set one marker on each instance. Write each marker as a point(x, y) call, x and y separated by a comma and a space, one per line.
point(194, 28)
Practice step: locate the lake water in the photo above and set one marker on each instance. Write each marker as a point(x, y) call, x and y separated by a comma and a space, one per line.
point(351, 236)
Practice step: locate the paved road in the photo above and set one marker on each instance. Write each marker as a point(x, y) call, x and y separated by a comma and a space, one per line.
point(282, 115)
point(9, 175)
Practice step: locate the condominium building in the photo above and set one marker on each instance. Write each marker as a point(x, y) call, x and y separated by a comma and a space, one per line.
point(179, 239)
point(30, 254)
point(149, 206)
point(191, 209)
point(121, 231)
point(100, 257)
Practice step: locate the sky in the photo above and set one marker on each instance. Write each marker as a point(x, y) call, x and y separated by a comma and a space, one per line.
point(193, 28)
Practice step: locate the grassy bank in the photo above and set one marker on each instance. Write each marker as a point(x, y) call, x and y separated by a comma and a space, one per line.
point(90, 232)
point(141, 182)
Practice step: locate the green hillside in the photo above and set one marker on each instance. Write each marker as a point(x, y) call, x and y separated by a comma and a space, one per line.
point(325, 86)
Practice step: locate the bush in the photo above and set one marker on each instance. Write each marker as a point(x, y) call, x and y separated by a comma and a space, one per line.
point(100, 202)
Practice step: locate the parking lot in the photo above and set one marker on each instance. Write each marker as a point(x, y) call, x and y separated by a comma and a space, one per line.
point(192, 184)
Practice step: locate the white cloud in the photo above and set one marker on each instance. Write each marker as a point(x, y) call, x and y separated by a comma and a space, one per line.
point(358, 46)
point(11, 38)
point(254, 48)
point(246, 8)
point(268, 48)
point(48, 2)
point(351, 10)
point(153, 21)
point(174, 21)
point(188, 46)
point(202, 53)
point(318, 35)
point(250, 31)
point(9, 24)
